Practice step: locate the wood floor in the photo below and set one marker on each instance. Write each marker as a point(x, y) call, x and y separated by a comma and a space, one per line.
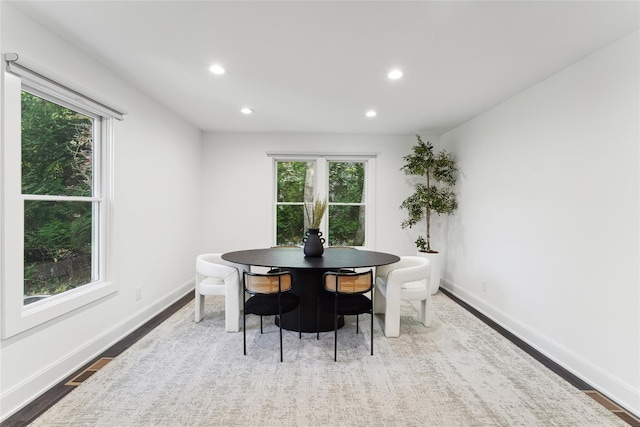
point(33, 410)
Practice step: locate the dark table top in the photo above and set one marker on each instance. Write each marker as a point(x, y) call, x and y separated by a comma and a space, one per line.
point(294, 258)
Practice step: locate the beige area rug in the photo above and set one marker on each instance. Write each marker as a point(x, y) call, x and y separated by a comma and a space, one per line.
point(458, 372)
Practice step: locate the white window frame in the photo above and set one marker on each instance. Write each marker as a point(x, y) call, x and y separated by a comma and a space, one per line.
point(16, 317)
point(321, 177)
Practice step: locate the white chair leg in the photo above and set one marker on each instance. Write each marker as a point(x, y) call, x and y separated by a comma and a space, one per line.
point(231, 319)
point(392, 314)
point(426, 310)
point(392, 320)
point(391, 325)
point(232, 307)
point(199, 303)
point(379, 301)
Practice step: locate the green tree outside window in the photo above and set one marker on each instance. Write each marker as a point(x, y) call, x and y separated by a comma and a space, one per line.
point(57, 160)
point(295, 186)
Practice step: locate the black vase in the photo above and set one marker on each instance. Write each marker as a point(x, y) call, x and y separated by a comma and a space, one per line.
point(313, 243)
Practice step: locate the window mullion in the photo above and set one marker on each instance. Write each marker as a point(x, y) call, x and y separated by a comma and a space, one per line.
point(322, 189)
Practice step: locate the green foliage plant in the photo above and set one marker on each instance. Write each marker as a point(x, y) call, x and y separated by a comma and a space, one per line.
point(315, 211)
point(421, 244)
point(433, 195)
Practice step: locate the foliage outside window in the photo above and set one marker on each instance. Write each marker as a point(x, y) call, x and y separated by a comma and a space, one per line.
point(295, 186)
point(346, 204)
point(342, 184)
point(59, 187)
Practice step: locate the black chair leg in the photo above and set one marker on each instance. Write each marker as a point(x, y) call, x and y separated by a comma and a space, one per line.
point(372, 331)
point(244, 332)
point(357, 324)
point(318, 319)
point(261, 324)
point(335, 333)
point(280, 342)
point(280, 316)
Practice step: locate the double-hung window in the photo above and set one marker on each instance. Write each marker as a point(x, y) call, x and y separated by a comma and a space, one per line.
point(56, 202)
point(62, 196)
point(344, 181)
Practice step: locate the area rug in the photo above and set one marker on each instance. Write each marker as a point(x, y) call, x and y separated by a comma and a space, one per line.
point(458, 372)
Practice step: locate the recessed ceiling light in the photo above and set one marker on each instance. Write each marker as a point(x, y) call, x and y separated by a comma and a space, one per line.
point(371, 113)
point(246, 110)
point(217, 69)
point(394, 74)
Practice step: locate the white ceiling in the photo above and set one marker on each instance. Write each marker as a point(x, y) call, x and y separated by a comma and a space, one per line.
point(319, 66)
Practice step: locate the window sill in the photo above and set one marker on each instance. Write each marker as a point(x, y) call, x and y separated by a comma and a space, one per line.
point(19, 318)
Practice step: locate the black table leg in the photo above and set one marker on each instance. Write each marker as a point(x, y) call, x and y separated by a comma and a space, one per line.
point(307, 284)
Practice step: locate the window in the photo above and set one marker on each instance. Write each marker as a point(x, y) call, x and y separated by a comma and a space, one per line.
point(347, 203)
point(295, 186)
point(344, 181)
point(62, 197)
point(56, 147)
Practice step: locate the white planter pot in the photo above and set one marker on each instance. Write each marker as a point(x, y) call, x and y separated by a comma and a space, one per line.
point(435, 260)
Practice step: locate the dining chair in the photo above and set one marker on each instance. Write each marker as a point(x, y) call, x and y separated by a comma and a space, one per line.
point(405, 280)
point(344, 296)
point(268, 296)
point(215, 276)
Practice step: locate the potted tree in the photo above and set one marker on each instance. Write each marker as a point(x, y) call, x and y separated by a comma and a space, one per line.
point(434, 195)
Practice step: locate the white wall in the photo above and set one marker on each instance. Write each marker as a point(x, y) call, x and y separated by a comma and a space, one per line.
point(238, 187)
point(548, 218)
point(155, 237)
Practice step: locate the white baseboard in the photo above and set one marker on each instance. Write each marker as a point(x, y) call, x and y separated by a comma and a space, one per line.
point(22, 394)
point(614, 388)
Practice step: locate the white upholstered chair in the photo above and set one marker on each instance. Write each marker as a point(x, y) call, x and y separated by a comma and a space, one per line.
point(215, 276)
point(405, 280)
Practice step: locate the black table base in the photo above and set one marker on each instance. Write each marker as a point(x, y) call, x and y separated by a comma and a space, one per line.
point(307, 284)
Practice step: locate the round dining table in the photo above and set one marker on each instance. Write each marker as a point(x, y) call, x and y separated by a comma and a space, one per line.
point(307, 275)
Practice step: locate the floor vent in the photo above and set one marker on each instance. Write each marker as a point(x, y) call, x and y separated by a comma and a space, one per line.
point(620, 412)
point(95, 367)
